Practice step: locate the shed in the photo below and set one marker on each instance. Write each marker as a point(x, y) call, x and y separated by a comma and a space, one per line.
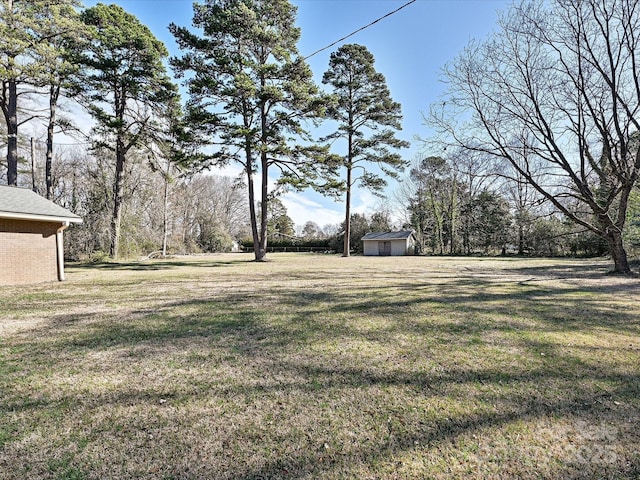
point(31, 238)
point(389, 243)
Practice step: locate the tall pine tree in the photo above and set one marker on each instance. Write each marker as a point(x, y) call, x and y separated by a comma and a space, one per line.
point(126, 89)
point(367, 117)
point(61, 33)
point(250, 92)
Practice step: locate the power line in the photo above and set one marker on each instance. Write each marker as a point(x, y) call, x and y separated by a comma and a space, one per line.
point(360, 29)
point(39, 141)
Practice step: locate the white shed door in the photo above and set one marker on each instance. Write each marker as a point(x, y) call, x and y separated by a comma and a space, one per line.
point(384, 249)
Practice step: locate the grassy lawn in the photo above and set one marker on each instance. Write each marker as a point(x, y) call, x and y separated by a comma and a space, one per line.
point(319, 367)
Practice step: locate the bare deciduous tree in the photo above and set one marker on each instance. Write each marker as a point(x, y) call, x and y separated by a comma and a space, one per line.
point(557, 86)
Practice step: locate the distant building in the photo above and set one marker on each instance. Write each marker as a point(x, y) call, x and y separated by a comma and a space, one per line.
point(389, 243)
point(31, 242)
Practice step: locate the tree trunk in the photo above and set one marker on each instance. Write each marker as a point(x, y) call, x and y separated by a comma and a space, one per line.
point(466, 241)
point(347, 220)
point(520, 238)
point(453, 219)
point(165, 211)
point(260, 248)
point(261, 251)
point(12, 134)
point(54, 94)
point(437, 213)
point(33, 167)
point(618, 252)
point(248, 152)
point(118, 197)
point(252, 208)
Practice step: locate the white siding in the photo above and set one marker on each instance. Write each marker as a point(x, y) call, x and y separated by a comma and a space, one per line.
point(370, 247)
point(398, 247)
point(383, 244)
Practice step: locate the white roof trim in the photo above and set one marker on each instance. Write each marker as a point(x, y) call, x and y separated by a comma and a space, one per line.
point(41, 218)
point(386, 239)
point(388, 236)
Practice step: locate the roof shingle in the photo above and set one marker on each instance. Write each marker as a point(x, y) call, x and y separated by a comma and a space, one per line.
point(18, 202)
point(401, 235)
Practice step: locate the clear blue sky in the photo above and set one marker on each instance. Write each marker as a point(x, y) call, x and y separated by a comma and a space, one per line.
point(410, 49)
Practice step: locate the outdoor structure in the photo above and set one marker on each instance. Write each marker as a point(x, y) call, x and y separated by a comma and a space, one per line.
point(389, 243)
point(31, 242)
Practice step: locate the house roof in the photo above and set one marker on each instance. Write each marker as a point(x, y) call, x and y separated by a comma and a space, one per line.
point(23, 204)
point(401, 235)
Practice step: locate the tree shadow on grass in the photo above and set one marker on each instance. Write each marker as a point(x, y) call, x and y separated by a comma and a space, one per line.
point(574, 273)
point(310, 315)
point(564, 270)
point(444, 431)
point(155, 265)
point(576, 398)
point(278, 335)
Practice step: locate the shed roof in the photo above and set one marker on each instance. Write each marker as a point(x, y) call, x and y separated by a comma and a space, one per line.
point(23, 204)
point(401, 235)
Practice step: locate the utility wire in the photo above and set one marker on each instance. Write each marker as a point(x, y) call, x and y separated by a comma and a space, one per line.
point(360, 29)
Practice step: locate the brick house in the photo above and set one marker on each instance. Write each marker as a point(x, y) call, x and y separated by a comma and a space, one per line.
point(31, 241)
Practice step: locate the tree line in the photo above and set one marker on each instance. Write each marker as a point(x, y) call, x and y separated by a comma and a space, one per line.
point(463, 205)
point(537, 135)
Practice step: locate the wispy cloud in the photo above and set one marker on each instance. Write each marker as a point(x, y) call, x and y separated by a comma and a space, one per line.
point(301, 209)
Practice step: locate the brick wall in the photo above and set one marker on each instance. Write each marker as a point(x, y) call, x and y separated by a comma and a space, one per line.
point(27, 252)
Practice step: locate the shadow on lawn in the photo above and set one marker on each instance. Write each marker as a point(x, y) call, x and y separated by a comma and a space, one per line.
point(574, 271)
point(311, 316)
point(158, 264)
point(581, 405)
point(246, 327)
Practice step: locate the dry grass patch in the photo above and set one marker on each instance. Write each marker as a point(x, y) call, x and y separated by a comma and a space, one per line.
point(322, 367)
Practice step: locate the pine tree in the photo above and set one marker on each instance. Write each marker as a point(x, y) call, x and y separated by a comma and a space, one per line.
point(250, 92)
point(61, 33)
point(126, 89)
point(367, 118)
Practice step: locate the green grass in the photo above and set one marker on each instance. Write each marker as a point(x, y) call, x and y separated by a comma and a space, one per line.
point(319, 367)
